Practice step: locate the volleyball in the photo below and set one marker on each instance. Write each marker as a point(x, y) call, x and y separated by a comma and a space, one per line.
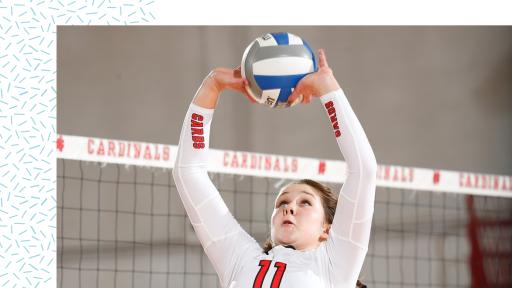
point(273, 64)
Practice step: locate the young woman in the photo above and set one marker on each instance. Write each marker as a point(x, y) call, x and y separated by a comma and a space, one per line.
point(311, 246)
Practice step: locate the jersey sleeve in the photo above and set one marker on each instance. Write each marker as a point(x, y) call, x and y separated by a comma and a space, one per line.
point(349, 235)
point(223, 239)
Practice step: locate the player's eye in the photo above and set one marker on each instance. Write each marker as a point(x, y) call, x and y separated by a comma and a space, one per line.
point(281, 203)
point(305, 203)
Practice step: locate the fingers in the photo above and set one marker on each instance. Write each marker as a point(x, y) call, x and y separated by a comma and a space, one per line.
point(307, 99)
point(303, 95)
point(238, 84)
point(295, 94)
point(322, 59)
point(302, 88)
point(237, 72)
point(240, 87)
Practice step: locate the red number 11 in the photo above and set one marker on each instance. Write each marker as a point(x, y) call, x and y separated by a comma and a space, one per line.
point(276, 281)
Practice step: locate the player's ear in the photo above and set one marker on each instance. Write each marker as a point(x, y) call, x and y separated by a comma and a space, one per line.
point(325, 232)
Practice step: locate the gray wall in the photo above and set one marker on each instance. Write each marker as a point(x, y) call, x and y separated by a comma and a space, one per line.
point(433, 97)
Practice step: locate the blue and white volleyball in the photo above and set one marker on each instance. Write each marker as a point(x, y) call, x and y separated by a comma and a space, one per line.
point(273, 64)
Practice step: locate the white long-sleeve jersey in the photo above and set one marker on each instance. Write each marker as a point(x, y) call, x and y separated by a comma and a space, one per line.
point(237, 258)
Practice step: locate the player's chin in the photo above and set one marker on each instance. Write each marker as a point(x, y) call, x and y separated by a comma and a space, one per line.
point(286, 238)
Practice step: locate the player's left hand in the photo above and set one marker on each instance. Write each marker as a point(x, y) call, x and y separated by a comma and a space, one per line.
point(222, 78)
point(316, 84)
point(238, 74)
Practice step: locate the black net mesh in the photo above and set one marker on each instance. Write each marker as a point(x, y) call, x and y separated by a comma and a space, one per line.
point(125, 226)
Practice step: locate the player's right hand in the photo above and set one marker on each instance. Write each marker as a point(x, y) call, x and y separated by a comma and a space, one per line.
point(222, 78)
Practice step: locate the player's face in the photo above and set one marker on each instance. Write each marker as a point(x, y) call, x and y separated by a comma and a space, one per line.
point(298, 218)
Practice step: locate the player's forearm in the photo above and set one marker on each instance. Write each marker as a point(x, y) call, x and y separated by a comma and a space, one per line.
point(349, 133)
point(355, 207)
point(192, 158)
point(194, 137)
point(190, 174)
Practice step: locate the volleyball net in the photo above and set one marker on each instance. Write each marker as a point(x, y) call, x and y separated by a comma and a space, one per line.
point(121, 222)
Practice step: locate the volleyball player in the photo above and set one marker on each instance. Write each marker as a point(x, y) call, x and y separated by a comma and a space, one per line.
point(310, 245)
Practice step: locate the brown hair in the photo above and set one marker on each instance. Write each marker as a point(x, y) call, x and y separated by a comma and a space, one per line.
point(329, 201)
